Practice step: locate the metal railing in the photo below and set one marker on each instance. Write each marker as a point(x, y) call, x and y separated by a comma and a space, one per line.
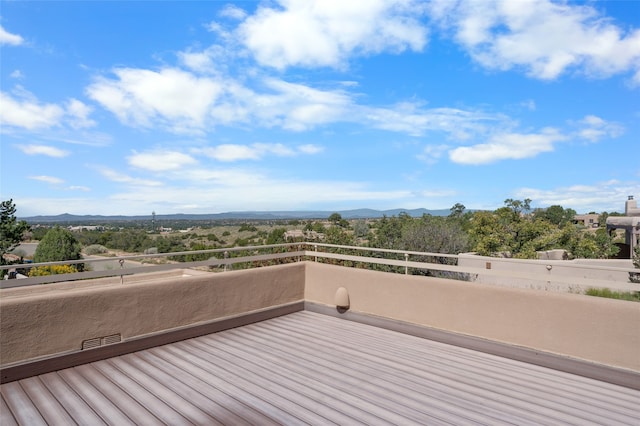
point(223, 259)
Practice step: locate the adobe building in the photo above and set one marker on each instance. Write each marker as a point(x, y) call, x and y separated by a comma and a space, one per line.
point(630, 222)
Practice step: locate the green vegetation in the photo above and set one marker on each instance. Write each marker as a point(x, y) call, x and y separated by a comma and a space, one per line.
point(40, 271)
point(11, 231)
point(514, 230)
point(634, 277)
point(605, 292)
point(94, 249)
point(58, 244)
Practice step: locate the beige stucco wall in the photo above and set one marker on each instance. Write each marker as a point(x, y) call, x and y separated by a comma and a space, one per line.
point(564, 275)
point(60, 316)
point(591, 328)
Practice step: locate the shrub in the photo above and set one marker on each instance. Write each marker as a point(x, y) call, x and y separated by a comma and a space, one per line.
point(634, 277)
point(95, 249)
point(57, 244)
point(605, 292)
point(40, 271)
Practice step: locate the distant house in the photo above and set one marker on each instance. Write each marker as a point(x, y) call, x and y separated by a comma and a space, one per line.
point(294, 234)
point(299, 235)
point(85, 228)
point(589, 220)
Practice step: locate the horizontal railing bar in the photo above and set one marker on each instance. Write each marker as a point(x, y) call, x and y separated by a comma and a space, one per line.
point(309, 249)
point(381, 250)
point(46, 279)
point(453, 268)
point(146, 256)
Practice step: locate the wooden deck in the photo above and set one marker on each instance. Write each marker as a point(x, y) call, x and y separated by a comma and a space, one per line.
point(308, 368)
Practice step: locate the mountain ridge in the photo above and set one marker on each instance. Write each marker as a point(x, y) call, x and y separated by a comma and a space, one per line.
point(363, 213)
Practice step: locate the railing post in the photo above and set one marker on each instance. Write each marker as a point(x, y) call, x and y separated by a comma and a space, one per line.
point(406, 267)
point(226, 256)
point(121, 261)
point(315, 248)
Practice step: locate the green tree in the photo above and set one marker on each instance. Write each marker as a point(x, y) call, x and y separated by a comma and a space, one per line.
point(11, 230)
point(361, 229)
point(335, 218)
point(276, 236)
point(634, 277)
point(58, 244)
point(435, 235)
point(338, 236)
point(457, 210)
point(556, 215)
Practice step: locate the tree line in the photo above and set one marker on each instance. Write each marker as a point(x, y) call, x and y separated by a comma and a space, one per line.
point(513, 230)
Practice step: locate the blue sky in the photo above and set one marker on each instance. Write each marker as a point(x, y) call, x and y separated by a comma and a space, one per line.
point(212, 106)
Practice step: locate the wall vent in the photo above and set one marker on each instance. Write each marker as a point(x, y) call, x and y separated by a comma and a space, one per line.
point(110, 340)
point(91, 343)
point(101, 341)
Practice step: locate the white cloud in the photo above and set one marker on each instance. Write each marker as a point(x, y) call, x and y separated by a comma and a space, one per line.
point(505, 146)
point(415, 120)
point(600, 196)
point(79, 188)
point(176, 98)
point(310, 149)
point(314, 33)
point(298, 107)
point(544, 38)
point(48, 179)
point(49, 151)
point(595, 128)
point(10, 39)
point(17, 74)
point(115, 176)
point(28, 113)
point(233, 12)
point(253, 193)
point(432, 153)
point(233, 152)
point(78, 114)
point(159, 161)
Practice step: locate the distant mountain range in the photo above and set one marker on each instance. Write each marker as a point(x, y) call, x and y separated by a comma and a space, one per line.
point(257, 215)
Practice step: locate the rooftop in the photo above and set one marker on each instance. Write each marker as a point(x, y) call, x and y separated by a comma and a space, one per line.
point(309, 368)
point(269, 346)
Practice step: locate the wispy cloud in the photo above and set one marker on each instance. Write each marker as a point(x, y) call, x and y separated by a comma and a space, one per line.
point(7, 38)
point(600, 196)
point(119, 177)
point(49, 151)
point(594, 128)
point(48, 179)
point(512, 145)
point(24, 111)
point(158, 161)
point(505, 146)
point(256, 151)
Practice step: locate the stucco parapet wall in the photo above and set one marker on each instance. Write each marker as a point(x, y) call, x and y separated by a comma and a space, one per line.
point(598, 330)
point(56, 318)
point(575, 275)
point(623, 222)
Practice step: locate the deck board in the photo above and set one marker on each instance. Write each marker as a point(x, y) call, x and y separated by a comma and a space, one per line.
point(308, 368)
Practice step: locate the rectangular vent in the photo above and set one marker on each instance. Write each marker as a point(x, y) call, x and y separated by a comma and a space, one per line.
point(90, 343)
point(110, 340)
point(101, 341)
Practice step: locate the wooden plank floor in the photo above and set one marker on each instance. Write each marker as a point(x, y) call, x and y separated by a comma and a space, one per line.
point(308, 368)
